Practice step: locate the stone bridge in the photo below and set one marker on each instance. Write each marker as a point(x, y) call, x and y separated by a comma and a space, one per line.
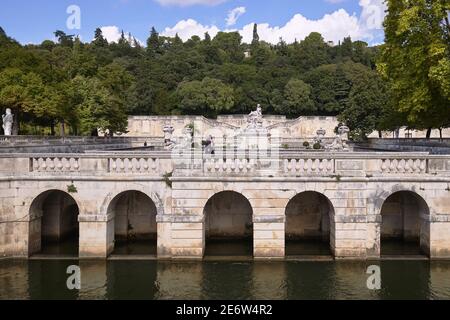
point(350, 200)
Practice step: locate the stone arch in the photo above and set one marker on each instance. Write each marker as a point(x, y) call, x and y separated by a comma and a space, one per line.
point(133, 219)
point(152, 195)
point(228, 217)
point(405, 223)
point(309, 224)
point(53, 218)
point(383, 193)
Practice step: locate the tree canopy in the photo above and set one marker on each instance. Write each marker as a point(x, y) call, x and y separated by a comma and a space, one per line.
point(70, 86)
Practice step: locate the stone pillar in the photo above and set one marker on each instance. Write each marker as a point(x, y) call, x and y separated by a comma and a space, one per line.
point(350, 235)
point(439, 237)
point(34, 234)
point(269, 236)
point(188, 237)
point(96, 236)
point(164, 235)
point(373, 243)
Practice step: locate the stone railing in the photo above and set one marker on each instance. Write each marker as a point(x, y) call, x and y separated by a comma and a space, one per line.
point(133, 165)
point(403, 166)
point(101, 164)
point(308, 166)
point(56, 164)
point(239, 166)
point(293, 165)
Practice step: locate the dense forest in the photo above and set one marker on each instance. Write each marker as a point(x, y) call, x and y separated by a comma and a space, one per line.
point(72, 87)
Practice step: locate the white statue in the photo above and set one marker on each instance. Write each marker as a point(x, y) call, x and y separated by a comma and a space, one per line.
point(209, 146)
point(8, 120)
point(255, 118)
point(168, 131)
point(340, 142)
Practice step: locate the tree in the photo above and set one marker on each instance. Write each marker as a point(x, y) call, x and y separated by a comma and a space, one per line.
point(255, 40)
point(99, 40)
point(296, 99)
point(154, 43)
point(310, 53)
point(22, 93)
point(415, 60)
point(209, 96)
point(367, 103)
point(64, 39)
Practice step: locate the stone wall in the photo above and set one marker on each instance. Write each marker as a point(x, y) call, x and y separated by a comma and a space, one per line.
point(433, 146)
point(303, 127)
point(354, 185)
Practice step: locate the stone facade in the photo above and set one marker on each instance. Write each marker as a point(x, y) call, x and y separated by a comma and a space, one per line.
point(303, 127)
point(356, 188)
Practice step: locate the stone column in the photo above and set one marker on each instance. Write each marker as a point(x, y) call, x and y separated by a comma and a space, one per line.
point(188, 237)
point(164, 235)
point(96, 236)
point(438, 244)
point(269, 236)
point(350, 236)
point(373, 243)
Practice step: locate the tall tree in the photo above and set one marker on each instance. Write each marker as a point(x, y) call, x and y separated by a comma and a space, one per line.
point(416, 60)
point(99, 39)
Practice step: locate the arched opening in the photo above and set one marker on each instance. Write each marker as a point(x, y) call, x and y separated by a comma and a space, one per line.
point(55, 228)
point(405, 229)
point(228, 225)
point(135, 228)
point(308, 220)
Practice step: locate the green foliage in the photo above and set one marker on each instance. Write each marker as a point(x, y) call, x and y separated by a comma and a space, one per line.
point(317, 146)
point(83, 87)
point(296, 99)
point(416, 61)
point(167, 179)
point(209, 96)
point(72, 188)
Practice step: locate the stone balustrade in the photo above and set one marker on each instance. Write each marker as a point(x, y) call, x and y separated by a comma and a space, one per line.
point(310, 164)
point(57, 164)
point(131, 165)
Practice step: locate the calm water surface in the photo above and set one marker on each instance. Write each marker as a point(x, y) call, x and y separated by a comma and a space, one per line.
point(223, 280)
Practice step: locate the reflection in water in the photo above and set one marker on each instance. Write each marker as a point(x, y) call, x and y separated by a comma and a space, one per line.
point(223, 280)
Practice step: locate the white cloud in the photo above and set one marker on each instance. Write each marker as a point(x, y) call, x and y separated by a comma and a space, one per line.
point(187, 3)
point(234, 15)
point(188, 28)
point(113, 34)
point(333, 27)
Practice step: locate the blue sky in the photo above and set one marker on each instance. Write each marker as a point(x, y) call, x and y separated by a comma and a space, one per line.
point(33, 21)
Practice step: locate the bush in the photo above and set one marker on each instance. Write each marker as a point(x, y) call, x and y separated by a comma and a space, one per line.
point(306, 144)
point(317, 146)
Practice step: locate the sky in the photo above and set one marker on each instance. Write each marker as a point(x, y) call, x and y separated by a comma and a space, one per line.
point(34, 21)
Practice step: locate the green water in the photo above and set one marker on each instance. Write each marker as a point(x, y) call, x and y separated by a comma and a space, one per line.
point(223, 280)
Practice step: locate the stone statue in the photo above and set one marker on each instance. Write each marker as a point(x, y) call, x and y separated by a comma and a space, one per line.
point(255, 118)
point(209, 146)
point(8, 120)
point(340, 142)
point(168, 131)
point(320, 136)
